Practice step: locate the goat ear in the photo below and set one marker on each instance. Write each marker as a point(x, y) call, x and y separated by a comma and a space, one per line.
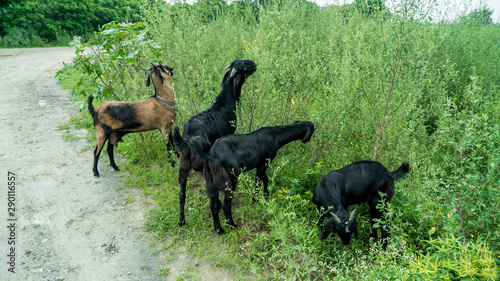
point(148, 81)
point(238, 81)
point(309, 131)
point(226, 76)
point(307, 135)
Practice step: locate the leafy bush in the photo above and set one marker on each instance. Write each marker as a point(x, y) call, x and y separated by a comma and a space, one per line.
point(112, 63)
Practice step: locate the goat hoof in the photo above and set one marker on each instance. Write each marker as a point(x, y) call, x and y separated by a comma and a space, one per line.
point(220, 231)
point(182, 222)
point(116, 168)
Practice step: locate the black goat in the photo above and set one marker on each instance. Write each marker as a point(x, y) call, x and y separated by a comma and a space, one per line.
point(231, 155)
point(356, 183)
point(217, 121)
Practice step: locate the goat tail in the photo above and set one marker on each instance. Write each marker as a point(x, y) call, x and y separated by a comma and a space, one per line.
point(400, 172)
point(180, 145)
point(90, 106)
point(200, 150)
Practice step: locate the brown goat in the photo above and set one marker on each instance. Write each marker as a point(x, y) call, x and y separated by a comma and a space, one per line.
point(114, 119)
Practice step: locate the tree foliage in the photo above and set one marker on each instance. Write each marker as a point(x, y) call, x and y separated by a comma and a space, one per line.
point(369, 7)
point(481, 15)
point(52, 21)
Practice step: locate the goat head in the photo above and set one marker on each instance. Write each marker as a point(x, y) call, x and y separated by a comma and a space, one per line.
point(246, 67)
point(345, 229)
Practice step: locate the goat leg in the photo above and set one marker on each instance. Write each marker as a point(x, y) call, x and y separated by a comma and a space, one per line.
point(265, 182)
point(170, 151)
point(228, 196)
point(215, 206)
point(261, 176)
point(182, 176)
point(385, 235)
point(111, 156)
point(226, 207)
point(97, 152)
point(169, 145)
point(374, 214)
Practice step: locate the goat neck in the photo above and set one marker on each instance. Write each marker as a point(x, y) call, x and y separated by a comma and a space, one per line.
point(232, 83)
point(230, 93)
point(162, 86)
point(300, 130)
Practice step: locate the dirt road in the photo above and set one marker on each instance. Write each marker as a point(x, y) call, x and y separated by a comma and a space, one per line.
point(66, 225)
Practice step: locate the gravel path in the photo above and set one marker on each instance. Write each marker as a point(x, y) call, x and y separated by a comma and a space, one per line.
point(67, 225)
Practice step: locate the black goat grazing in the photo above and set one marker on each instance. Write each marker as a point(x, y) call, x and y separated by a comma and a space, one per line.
point(231, 155)
point(356, 183)
point(217, 121)
point(115, 119)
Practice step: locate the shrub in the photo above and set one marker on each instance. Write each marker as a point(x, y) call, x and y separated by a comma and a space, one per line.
point(448, 258)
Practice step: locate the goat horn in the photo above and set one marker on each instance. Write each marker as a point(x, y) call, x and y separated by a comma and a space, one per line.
point(351, 216)
point(227, 67)
point(335, 218)
point(145, 68)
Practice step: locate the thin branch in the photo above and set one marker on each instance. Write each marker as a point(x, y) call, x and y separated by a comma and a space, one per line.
point(370, 103)
point(323, 67)
point(387, 100)
point(459, 207)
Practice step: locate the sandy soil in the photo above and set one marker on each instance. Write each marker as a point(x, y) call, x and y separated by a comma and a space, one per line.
point(67, 225)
